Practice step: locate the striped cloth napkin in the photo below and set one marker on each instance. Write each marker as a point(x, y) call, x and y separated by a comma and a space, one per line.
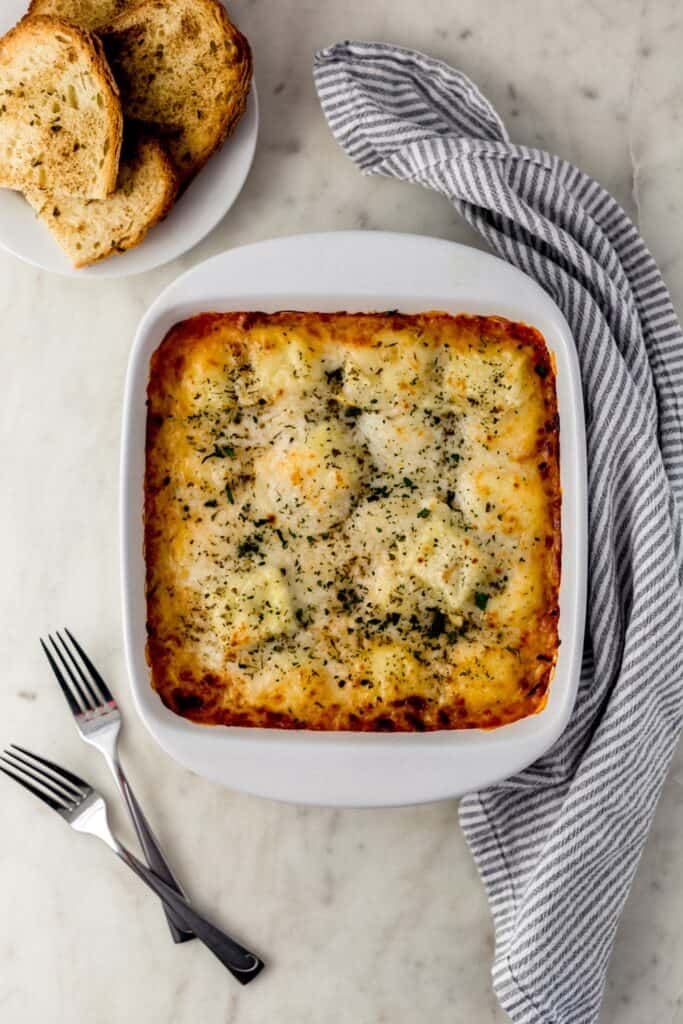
point(557, 845)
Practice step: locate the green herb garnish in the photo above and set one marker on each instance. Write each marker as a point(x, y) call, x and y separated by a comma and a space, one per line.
point(220, 452)
point(250, 546)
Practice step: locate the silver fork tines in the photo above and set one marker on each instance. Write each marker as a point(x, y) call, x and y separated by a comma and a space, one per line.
point(98, 721)
point(84, 809)
point(65, 791)
point(83, 686)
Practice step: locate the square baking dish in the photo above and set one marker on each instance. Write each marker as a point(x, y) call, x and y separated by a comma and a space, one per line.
point(357, 272)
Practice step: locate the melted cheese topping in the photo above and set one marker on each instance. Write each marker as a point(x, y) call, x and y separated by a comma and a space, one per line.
point(352, 522)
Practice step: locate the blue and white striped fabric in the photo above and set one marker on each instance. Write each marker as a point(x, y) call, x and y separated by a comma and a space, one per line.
point(558, 845)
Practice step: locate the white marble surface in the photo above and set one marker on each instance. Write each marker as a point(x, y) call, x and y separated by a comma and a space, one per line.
point(365, 917)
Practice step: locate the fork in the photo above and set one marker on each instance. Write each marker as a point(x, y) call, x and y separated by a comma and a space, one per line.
point(98, 721)
point(84, 809)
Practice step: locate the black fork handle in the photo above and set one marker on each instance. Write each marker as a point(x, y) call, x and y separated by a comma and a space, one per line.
point(155, 858)
point(242, 964)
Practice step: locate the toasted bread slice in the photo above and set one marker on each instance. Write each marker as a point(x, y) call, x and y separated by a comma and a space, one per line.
point(90, 14)
point(184, 70)
point(91, 230)
point(60, 114)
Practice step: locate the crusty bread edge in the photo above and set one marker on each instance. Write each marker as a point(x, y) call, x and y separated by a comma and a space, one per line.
point(163, 209)
point(114, 101)
point(92, 46)
point(30, 14)
point(164, 206)
point(246, 79)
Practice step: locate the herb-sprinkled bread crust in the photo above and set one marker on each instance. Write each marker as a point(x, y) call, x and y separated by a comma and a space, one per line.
point(92, 230)
point(60, 114)
point(184, 71)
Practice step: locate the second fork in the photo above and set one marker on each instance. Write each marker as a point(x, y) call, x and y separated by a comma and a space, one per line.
point(84, 809)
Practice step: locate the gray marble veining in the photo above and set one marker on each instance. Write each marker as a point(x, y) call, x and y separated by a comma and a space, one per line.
point(366, 917)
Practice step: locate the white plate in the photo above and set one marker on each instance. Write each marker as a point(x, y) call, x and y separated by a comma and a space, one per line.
point(358, 272)
point(203, 205)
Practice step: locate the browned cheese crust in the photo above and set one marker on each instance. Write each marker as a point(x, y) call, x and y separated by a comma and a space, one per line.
point(352, 521)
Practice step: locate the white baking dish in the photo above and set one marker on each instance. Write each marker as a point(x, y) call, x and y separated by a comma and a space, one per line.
point(357, 272)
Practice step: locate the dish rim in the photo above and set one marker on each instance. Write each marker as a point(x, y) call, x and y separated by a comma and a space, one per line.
point(264, 275)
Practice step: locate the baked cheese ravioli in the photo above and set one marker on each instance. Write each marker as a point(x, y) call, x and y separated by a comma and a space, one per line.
point(352, 522)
